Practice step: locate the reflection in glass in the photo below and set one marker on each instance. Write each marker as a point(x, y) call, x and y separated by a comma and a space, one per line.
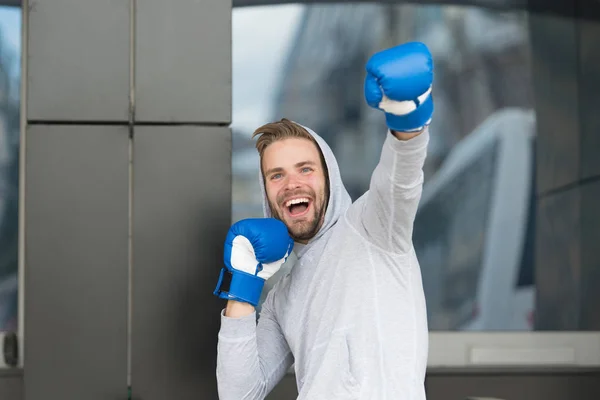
point(482, 61)
point(10, 36)
point(474, 229)
point(453, 227)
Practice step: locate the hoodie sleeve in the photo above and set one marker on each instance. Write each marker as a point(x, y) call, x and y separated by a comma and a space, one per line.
point(251, 358)
point(390, 205)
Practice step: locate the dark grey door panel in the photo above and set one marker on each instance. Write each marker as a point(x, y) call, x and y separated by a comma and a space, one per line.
point(78, 60)
point(76, 262)
point(181, 213)
point(183, 61)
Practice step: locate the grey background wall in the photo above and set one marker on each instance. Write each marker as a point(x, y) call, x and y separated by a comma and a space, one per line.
point(127, 196)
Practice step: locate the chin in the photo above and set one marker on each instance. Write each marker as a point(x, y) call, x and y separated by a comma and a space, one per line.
point(301, 228)
point(304, 232)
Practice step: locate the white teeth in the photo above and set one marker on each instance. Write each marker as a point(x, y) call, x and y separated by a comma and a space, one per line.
point(296, 201)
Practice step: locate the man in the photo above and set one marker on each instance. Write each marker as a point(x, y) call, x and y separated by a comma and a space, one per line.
point(351, 314)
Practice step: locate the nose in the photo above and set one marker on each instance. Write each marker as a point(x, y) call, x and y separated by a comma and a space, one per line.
point(293, 182)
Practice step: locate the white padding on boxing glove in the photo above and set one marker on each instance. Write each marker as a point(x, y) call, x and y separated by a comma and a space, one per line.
point(243, 259)
point(242, 255)
point(401, 107)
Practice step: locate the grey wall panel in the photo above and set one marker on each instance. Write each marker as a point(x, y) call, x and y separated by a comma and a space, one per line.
point(499, 384)
point(558, 261)
point(76, 257)
point(181, 209)
point(183, 61)
point(554, 72)
point(11, 384)
point(285, 389)
point(568, 260)
point(590, 256)
point(568, 384)
point(78, 60)
point(589, 58)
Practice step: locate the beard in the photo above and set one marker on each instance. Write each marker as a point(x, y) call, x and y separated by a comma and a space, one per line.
point(304, 229)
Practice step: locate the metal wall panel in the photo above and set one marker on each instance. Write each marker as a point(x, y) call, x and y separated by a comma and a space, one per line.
point(558, 261)
point(181, 214)
point(76, 257)
point(11, 384)
point(514, 384)
point(590, 257)
point(589, 84)
point(493, 384)
point(78, 60)
point(183, 61)
point(589, 59)
point(566, 81)
point(556, 89)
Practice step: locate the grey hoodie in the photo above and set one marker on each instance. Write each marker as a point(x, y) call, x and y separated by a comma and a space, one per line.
point(350, 315)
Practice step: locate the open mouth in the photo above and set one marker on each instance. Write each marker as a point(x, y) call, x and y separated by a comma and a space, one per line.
point(298, 207)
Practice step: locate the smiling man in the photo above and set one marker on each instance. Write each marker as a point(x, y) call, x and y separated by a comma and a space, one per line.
point(351, 313)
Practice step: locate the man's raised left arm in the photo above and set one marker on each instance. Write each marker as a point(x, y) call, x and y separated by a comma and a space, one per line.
point(398, 82)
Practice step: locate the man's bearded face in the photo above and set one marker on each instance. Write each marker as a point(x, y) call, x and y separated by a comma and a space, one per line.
point(295, 184)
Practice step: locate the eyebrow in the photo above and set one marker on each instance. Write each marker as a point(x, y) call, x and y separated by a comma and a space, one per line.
point(297, 165)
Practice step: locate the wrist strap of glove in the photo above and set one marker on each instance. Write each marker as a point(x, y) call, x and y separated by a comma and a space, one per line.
point(239, 286)
point(414, 120)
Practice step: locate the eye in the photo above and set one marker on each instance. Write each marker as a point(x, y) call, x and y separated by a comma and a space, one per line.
point(275, 176)
point(306, 170)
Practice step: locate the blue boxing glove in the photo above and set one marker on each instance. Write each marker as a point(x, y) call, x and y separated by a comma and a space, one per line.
point(399, 82)
point(254, 250)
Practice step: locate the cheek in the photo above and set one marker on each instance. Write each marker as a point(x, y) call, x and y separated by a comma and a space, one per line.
point(318, 183)
point(271, 193)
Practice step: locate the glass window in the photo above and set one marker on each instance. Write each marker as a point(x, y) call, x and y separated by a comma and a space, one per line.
point(449, 238)
point(312, 71)
point(10, 70)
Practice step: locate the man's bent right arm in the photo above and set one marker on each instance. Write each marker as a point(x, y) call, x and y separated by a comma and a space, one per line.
point(251, 358)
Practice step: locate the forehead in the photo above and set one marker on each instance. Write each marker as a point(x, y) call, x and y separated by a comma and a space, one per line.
point(287, 152)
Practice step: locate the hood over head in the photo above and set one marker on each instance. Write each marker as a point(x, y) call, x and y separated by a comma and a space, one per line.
point(339, 199)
